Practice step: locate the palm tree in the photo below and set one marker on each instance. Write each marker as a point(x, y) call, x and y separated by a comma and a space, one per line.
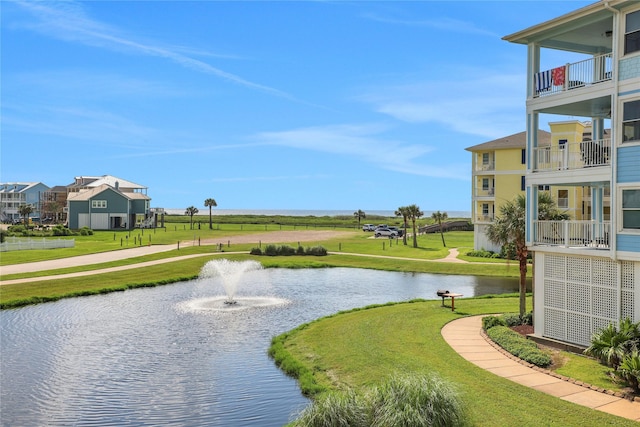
point(414, 213)
point(610, 344)
point(210, 203)
point(52, 209)
point(509, 228)
point(360, 215)
point(25, 211)
point(191, 211)
point(403, 211)
point(439, 217)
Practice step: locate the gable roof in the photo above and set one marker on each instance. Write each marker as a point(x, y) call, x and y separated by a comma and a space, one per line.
point(96, 181)
point(93, 192)
point(517, 140)
point(18, 187)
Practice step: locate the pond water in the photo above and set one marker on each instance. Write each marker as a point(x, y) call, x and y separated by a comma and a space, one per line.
point(175, 356)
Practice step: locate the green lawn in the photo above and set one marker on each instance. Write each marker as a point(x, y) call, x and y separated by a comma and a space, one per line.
point(364, 347)
point(352, 349)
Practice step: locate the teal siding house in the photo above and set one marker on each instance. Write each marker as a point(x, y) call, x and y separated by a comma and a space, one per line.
point(107, 203)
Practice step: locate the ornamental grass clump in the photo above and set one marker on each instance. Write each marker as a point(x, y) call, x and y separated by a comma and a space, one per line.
point(408, 400)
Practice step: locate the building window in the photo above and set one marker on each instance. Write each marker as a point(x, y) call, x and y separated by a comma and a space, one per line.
point(543, 187)
point(98, 204)
point(631, 121)
point(485, 159)
point(631, 209)
point(485, 209)
point(485, 184)
point(563, 199)
point(632, 33)
point(523, 160)
point(522, 183)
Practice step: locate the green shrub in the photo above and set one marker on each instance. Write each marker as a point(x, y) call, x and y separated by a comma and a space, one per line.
point(410, 400)
point(337, 409)
point(629, 370)
point(481, 254)
point(86, 231)
point(271, 250)
point(512, 319)
point(60, 230)
point(286, 250)
point(3, 235)
point(316, 251)
point(611, 343)
point(416, 401)
point(527, 319)
point(489, 322)
point(519, 346)
point(16, 229)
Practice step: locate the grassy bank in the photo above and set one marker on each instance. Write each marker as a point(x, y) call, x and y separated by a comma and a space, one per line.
point(361, 348)
point(354, 249)
point(38, 290)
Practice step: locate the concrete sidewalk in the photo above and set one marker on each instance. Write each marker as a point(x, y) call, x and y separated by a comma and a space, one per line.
point(76, 261)
point(464, 336)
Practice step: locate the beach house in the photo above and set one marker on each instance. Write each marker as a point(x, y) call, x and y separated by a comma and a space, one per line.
point(587, 268)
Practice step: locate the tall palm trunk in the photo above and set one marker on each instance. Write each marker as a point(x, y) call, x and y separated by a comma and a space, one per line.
point(415, 234)
point(522, 259)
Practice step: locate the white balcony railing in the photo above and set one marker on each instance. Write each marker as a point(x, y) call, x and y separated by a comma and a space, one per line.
point(572, 76)
point(485, 192)
point(484, 218)
point(485, 166)
point(572, 234)
point(576, 155)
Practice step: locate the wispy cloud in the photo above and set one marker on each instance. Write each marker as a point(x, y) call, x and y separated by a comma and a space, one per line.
point(69, 21)
point(441, 23)
point(366, 143)
point(474, 102)
point(93, 127)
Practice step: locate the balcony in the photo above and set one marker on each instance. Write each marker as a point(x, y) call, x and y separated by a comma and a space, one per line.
point(572, 234)
point(484, 218)
point(485, 192)
point(490, 166)
point(576, 155)
point(572, 76)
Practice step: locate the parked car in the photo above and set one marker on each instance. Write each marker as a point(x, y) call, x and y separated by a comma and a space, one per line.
point(399, 231)
point(368, 227)
point(386, 232)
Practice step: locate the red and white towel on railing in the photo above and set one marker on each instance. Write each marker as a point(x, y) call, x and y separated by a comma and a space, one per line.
point(557, 74)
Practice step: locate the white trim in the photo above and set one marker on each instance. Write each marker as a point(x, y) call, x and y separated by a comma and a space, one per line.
point(620, 228)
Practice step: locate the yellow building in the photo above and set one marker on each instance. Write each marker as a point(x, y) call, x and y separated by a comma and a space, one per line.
point(569, 145)
point(498, 175)
point(499, 169)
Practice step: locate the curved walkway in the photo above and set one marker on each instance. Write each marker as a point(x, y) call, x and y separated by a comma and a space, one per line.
point(464, 336)
point(103, 257)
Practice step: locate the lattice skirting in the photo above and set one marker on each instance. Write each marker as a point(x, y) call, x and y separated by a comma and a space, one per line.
point(576, 296)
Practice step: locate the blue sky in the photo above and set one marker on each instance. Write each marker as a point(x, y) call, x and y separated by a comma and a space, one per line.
point(264, 105)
